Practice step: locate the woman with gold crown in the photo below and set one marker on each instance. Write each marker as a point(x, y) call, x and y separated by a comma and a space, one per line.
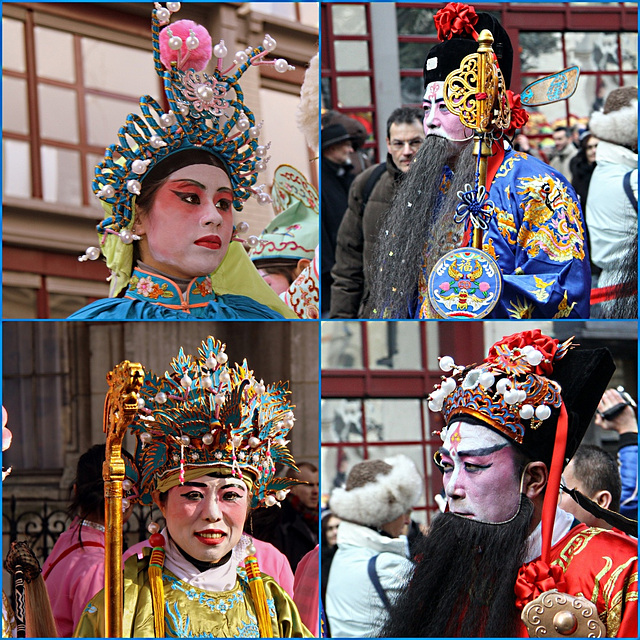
point(208, 438)
point(171, 183)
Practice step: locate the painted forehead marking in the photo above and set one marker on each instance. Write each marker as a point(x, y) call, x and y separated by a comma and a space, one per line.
point(455, 439)
point(432, 91)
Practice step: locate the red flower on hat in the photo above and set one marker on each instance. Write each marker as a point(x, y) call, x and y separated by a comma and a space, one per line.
point(455, 19)
point(519, 117)
point(534, 579)
point(546, 345)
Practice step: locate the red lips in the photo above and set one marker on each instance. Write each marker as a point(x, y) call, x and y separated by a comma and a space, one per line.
point(211, 537)
point(209, 242)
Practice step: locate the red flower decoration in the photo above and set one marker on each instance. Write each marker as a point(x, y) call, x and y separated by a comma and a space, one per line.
point(519, 117)
point(456, 19)
point(546, 345)
point(534, 579)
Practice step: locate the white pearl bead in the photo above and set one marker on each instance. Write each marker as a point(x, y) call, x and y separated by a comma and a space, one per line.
point(184, 110)
point(448, 386)
point(471, 379)
point(153, 527)
point(534, 358)
point(254, 132)
point(145, 438)
point(281, 65)
point(206, 382)
point(161, 397)
point(125, 504)
point(270, 500)
point(435, 406)
point(261, 166)
point(173, 6)
point(126, 236)
point(107, 191)
point(543, 412)
point(225, 377)
point(157, 142)
point(504, 384)
point(242, 227)
point(243, 123)
point(241, 57)
point(254, 442)
point(511, 396)
point(133, 186)
point(222, 357)
point(186, 381)
point(281, 495)
point(168, 119)
point(264, 198)
point(139, 166)
point(486, 379)
point(140, 403)
point(205, 92)
point(207, 438)
point(261, 151)
point(210, 362)
point(236, 440)
point(260, 389)
point(446, 363)
point(269, 43)
point(522, 395)
point(185, 440)
point(175, 43)
point(127, 484)
point(220, 51)
point(192, 41)
point(253, 241)
point(93, 253)
point(163, 15)
point(526, 412)
point(219, 398)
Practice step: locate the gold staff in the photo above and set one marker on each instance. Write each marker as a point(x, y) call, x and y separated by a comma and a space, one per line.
point(120, 409)
point(476, 93)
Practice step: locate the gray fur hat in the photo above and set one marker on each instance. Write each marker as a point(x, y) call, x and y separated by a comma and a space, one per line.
point(378, 491)
point(618, 121)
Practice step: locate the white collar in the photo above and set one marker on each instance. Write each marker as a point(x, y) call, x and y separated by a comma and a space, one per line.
point(561, 526)
point(221, 578)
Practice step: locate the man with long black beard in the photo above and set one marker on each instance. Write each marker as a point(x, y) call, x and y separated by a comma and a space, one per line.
point(536, 231)
point(511, 423)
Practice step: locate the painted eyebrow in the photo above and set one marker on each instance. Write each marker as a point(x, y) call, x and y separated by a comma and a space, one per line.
point(234, 485)
point(195, 183)
point(485, 451)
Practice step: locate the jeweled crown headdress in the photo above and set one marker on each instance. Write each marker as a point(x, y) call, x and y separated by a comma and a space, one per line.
point(204, 413)
point(206, 111)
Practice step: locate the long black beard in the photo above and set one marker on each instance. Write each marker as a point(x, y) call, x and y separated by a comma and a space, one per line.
point(463, 582)
point(420, 216)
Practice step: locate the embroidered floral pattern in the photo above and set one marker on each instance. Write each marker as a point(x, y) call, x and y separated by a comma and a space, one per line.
point(203, 287)
point(147, 288)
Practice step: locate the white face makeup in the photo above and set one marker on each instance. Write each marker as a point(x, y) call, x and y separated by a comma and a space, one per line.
point(480, 478)
point(438, 120)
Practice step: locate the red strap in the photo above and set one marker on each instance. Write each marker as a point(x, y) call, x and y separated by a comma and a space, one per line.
point(602, 294)
point(65, 553)
point(493, 165)
point(553, 486)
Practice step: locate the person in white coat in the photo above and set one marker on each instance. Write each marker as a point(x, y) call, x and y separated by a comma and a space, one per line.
point(372, 564)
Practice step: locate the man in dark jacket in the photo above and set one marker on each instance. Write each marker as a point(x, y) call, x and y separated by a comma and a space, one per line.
point(336, 180)
point(369, 197)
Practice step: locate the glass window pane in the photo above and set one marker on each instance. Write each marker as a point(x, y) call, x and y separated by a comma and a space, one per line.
point(336, 463)
point(411, 90)
point(14, 105)
point(58, 112)
point(13, 45)
point(629, 46)
point(540, 51)
point(16, 169)
point(105, 67)
point(62, 306)
point(18, 302)
point(413, 21)
point(105, 116)
point(349, 19)
point(592, 51)
point(61, 176)
point(341, 345)
point(412, 54)
point(341, 420)
point(351, 55)
point(353, 92)
point(59, 66)
point(394, 345)
point(285, 10)
point(309, 14)
point(327, 98)
point(393, 419)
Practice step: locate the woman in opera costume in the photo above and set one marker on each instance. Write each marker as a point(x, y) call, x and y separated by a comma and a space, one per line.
point(208, 438)
point(171, 183)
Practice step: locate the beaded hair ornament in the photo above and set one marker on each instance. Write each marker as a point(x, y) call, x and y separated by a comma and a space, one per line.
point(509, 389)
point(206, 111)
point(204, 413)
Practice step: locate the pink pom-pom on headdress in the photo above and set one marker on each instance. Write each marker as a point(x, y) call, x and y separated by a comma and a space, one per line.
point(197, 58)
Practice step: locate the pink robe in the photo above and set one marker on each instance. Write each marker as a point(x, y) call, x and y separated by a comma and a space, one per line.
point(73, 579)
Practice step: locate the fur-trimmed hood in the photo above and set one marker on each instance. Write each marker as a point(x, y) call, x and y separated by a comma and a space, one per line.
point(383, 497)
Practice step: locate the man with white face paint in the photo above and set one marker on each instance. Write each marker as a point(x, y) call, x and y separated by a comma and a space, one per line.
point(503, 546)
point(536, 230)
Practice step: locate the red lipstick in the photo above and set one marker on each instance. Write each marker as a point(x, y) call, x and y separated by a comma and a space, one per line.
point(209, 242)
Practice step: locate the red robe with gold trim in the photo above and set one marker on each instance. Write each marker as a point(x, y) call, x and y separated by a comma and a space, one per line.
point(602, 566)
